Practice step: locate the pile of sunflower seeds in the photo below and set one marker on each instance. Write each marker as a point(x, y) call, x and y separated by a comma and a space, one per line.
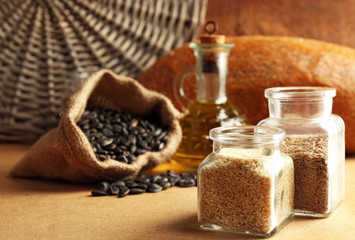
point(120, 136)
point(143, 183)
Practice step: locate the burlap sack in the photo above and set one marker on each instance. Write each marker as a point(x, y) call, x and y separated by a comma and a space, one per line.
point(65, 153)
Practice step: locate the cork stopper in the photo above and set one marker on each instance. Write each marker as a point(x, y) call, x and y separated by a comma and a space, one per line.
point(211, 27)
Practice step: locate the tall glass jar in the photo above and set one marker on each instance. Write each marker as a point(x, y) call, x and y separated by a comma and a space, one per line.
point(246, 184)
point(315, 141)
point(210, 109)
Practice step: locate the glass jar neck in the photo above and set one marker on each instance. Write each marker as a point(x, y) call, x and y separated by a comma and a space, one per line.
point(262, 140)
point(300, 109)
point(300, 103)
point(211, 71)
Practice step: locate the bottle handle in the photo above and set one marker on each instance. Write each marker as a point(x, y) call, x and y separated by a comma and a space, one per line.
point(179, 92)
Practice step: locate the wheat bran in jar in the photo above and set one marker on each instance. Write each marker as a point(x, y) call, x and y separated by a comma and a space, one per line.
point(310, 158)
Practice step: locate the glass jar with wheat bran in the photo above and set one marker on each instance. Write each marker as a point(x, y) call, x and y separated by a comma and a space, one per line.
point(315, 141)
point(246, 184)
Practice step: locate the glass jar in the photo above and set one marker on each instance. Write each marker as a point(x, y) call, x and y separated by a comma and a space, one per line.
point(315, 141)
point(210, 109)
point(246, 184)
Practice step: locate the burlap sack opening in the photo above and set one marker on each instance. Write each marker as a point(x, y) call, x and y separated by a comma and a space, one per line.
point(65, 153)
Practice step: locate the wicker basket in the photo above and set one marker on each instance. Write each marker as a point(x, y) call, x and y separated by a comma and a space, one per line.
point(48, 47)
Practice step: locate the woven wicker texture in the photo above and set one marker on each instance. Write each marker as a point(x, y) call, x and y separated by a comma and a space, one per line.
point(48, 47)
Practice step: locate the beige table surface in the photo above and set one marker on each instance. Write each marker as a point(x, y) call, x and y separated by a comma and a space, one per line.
point(34, 209)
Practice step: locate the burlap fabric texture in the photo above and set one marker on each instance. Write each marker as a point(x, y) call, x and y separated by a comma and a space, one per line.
point(65, 153)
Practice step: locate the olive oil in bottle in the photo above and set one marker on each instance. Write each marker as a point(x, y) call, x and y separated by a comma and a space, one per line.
point(202, 117)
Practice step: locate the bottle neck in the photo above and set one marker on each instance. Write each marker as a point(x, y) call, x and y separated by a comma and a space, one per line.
point(301, 109)
point(211, 72)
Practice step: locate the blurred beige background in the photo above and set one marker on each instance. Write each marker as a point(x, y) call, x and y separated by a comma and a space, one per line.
point(327, 20)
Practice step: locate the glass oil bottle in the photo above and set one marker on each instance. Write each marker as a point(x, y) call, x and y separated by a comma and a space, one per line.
point(211, 108)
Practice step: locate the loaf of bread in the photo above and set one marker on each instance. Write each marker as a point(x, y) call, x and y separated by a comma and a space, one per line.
point(259, 62)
